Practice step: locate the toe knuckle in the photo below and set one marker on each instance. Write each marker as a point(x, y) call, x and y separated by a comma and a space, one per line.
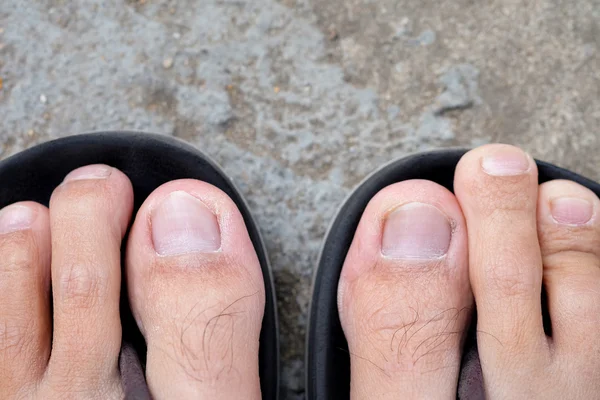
point(80, 196)
point(507, 194)
point(215, 268)
point(14, 337)
point(511, 284)
point(21, 254)
point(208, 337)
point(82, 285)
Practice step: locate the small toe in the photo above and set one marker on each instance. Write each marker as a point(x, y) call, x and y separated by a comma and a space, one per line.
point(89, 215)
point(497, 188)
point(25, 324)
point(569, 231)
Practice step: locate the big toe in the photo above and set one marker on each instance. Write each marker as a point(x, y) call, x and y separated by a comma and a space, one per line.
point(404, 295)
point(197, 293)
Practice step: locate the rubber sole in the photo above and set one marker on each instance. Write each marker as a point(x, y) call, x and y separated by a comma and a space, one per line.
point(327, 356)
point(149, 161)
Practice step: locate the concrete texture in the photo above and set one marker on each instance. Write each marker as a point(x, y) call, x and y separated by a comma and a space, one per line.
point(300, 99)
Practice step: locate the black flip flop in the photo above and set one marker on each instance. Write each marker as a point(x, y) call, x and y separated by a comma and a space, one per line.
point(148, 161)
point(327, 357)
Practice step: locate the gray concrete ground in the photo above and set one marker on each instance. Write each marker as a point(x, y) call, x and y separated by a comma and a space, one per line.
point(300, 99)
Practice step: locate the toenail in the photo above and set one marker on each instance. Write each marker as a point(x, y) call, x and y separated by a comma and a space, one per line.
point(183, 224)
point(571, 210)
point(89, 172)
point(16, 218)
point(416, 231)
point(506, 161)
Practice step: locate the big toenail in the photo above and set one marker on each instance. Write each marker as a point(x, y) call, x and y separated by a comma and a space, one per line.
point(89, 172)
point(16, 218)
point(571, 210)
point(183, 224)
point(416, 231)
point(506, 161)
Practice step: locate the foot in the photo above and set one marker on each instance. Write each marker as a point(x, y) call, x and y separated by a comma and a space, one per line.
point(525, 239)
point(194, 281)
point(405, 300)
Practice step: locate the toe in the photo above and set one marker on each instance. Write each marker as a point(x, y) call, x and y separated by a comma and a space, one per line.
point(89, 214)
point(196, 291)
point(25, 327)
point(404, 295)
point(569, 231)
point(496, 187)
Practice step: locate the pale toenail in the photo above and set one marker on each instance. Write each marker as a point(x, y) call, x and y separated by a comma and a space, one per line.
point(506, 161)
point(571, 210)
point(89, 172)
point(416, 231)
point(16, 218)
point(183, 224)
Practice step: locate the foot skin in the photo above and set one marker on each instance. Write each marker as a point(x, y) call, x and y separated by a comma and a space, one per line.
point(404, 295)
point(196, 290)
point(523, 237)
point(194, 281)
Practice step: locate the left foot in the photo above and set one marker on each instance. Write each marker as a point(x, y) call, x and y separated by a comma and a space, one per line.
point(194, 280)
point(68, 348)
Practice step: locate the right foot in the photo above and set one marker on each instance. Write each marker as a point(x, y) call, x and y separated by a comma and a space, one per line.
point(405, 299)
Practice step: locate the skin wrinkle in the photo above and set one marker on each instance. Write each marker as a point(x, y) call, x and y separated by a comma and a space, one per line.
point(13, 338)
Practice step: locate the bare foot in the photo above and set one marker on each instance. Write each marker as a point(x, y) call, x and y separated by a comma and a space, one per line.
point(405, 300)
point(195, 283)
point(522, 238)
